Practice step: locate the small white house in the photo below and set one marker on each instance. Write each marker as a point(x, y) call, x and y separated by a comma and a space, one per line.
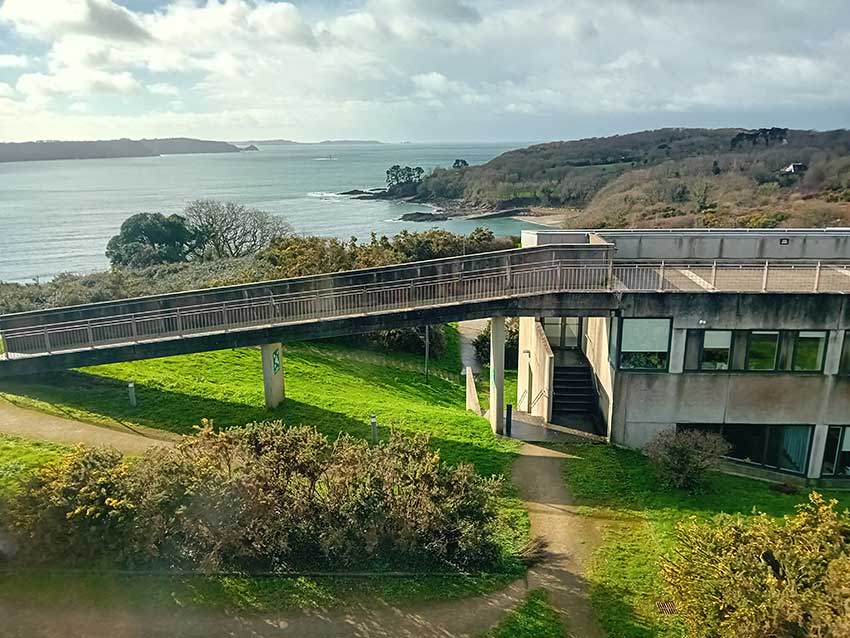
point(795, 167)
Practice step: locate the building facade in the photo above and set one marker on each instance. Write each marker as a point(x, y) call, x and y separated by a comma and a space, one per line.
point(763, 359)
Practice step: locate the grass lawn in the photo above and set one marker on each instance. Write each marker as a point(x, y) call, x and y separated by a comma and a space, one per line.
point(327, 387)
point(619, 487)
point(533, 618)
point(18, 458)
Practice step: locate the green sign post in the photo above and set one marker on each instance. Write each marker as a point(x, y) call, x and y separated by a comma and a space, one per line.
point(276, 361)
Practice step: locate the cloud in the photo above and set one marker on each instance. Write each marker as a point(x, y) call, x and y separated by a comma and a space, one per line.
point(77, 82)
point(432, 69)
point(6, 90)
point(11, 61)
point(55, 18)
point(161, 88)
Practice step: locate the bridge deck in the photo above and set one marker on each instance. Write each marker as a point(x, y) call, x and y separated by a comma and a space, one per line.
point(377, 291)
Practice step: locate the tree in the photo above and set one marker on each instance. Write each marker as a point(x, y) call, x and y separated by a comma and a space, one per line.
point(227, 229)
point(402, 180)
point(147, 239)
point(460, 163)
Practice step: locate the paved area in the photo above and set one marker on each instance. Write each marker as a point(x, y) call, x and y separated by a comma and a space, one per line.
point(525, 427)
point(571, 537)
point(536, 475)
point(30, 424)
point(468, 330)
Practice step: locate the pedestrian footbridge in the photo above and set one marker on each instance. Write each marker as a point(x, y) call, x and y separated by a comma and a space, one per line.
point(561, 279)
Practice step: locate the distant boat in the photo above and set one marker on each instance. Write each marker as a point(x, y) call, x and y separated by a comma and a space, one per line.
point(329, 158)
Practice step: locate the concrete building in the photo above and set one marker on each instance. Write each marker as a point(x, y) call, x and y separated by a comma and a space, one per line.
point(766, 368)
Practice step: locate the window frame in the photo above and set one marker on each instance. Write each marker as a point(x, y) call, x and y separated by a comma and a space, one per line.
point(842, 438)
point(821, 363)
point(768, 427)
point(702, 351)
point(776, 353)
point(621, 324)
point(844, 357)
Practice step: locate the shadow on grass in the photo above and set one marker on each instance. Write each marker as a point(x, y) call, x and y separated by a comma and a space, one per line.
point(90, 397)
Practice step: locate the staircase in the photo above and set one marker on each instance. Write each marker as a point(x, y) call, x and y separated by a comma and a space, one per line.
point(574, 400)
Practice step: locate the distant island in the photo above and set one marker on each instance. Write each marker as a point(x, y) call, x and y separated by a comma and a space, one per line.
point(281, 142)
point(56, 150)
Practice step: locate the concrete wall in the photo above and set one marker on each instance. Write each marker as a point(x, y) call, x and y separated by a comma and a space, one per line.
point(734, 244)
point(596, 339)
point(472, 402)
point(647, 403)
point(535, 370)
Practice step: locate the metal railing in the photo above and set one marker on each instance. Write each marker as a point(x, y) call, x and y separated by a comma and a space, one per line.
point(386, 290)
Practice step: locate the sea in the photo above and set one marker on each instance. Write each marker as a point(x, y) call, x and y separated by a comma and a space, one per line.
point(57, 216)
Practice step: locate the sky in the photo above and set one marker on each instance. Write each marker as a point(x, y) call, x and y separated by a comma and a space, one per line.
point(418, 70)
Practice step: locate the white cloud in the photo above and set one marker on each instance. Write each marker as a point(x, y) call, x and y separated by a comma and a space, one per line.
point(11, 61)
point(55, 18)
point(407, 68)
point(161, 88)
point(76, 81)
point(6, 90)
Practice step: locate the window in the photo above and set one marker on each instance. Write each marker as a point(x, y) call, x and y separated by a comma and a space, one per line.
point(788, 447)
point(780, 447)
point(644, 344)
point(809, 348)
point(836, 456)
point(845, 353)
point(762, 348)
point(716, 350)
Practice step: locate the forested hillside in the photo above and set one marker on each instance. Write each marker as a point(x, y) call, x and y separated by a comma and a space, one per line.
point(668, 177)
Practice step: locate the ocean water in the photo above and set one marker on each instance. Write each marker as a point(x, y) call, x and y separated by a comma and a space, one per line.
point(57, 216)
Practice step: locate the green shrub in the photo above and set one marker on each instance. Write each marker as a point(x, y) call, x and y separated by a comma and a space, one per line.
point(683, 459)
point(481, 343)
point(260, 498)
point(410, 340)
point(75, 509)
point(737, 577)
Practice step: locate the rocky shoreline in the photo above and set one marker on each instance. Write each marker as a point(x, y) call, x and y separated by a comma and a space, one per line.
point(448, 209)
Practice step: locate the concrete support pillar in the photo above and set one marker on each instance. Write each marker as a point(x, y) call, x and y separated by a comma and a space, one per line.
point(273, 383)
point(677, 350)
point(497, 374)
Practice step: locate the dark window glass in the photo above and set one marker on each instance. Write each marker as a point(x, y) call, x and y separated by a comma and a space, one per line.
point(645, 344)
point(761, 350)
point(845, 353)
point(716, 350)
point(747, 442)
point(809, 348)
point(836, 456)
point(788, 447)
point(830, 454)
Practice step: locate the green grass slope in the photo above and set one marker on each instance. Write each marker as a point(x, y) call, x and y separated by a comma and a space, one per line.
point(326, 387)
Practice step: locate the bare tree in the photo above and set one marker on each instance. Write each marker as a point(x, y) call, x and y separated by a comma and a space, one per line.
point(228, 229)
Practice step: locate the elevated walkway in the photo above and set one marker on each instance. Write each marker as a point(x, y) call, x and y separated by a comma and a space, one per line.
point(582, 279)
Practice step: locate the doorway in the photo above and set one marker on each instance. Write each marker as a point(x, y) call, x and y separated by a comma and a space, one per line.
point(564, 333)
